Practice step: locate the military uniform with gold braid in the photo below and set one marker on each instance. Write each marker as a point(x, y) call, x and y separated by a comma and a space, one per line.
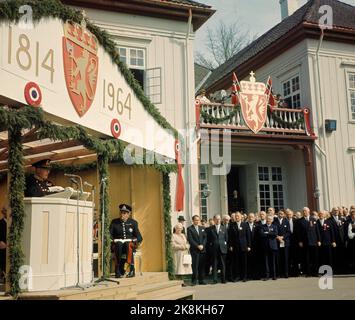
point(126, 238)
point(37, 186)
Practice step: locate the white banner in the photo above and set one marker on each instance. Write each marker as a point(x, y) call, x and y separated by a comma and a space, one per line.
point(62, 68)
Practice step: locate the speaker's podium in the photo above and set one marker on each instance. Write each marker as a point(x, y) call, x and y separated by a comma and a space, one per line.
point(50, 243)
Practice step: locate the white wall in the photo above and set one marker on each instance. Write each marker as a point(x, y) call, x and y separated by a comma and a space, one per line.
point(339, 147)
point(290, 160)
point(335, 59)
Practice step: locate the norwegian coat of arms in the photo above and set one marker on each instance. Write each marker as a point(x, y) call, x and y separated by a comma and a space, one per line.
point(253, 102)
point(81, 65)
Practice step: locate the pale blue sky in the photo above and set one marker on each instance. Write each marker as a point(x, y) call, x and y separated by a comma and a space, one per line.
point(257, 16)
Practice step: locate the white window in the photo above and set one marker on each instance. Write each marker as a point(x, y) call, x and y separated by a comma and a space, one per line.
point(149, 79)
point(134, 58)
point(292, 92)
point(271, 188)
point(203, 186)
point(351, 90)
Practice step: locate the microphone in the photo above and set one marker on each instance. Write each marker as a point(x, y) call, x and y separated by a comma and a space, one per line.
point(72, 180)
point(71, 175)
point(88, 184)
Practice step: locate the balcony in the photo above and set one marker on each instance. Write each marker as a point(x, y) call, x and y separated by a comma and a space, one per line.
point(279, 121)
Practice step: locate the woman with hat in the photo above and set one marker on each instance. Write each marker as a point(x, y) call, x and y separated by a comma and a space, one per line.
point(181, 248)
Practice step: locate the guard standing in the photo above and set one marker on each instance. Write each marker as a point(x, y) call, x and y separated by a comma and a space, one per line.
point(37, 185)
point(126, 238)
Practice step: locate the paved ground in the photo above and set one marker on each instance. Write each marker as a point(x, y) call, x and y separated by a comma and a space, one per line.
point(281, 289)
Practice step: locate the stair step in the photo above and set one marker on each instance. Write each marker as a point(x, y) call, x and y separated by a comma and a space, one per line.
point(179, 295)
point(157, 286)
point(159, 291)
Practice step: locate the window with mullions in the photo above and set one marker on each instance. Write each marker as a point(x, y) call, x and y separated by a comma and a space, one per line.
point(203, 186)
point(271, 189)
point(292, 92)
point(134, 58)
point(351, 89)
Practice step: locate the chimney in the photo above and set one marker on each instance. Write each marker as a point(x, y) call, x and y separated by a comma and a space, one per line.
point(288, 7)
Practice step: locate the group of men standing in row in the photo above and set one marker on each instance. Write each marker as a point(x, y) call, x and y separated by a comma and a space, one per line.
point(271, 246)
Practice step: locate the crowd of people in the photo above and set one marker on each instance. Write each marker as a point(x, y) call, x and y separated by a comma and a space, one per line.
point(266, 245)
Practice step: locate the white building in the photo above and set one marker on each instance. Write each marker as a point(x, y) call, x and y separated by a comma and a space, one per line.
point(155, 39)
point(277, 167)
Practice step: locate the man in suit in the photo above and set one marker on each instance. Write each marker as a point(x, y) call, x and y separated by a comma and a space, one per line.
point(338, 254)
point(293, 265)
point(308, 241)
point(227, 223)
point(327, 239)
point(240, 245)
point(126, 238)
point(197, 238)
point(283, 242)
point(268, 233)
point(217, 239)
point(259, 246)
point(252, 254)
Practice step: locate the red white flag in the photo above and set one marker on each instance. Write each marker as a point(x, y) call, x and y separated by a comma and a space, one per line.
point(268, 92)
point(180, 188)
point(235, 90)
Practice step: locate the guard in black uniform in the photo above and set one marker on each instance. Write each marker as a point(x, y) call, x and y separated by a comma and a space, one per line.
point(37, 185)
point(126, 238)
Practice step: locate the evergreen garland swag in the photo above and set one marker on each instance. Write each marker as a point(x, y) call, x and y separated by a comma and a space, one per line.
point(15, 120)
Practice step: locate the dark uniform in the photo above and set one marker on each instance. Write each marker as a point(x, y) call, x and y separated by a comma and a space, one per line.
point(35, 186)
point(3, 230)
point(121, 230)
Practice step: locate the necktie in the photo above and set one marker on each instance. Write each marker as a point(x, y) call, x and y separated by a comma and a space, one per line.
point(197, 230)
point(217, 228)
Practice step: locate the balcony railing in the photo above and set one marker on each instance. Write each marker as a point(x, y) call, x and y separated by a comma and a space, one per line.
point(280, 121)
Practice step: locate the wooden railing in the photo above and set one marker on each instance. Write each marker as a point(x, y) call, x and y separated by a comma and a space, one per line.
point(278, 120)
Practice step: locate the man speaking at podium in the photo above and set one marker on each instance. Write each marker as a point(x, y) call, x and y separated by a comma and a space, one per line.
point(126, 238)
point(38, 185)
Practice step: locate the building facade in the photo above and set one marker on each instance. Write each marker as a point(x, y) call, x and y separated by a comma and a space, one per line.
point(309, 68)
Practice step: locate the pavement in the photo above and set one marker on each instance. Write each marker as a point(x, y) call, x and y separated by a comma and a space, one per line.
point(280, 289)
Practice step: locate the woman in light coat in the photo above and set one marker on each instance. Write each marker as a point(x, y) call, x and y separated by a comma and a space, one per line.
point(180, 248)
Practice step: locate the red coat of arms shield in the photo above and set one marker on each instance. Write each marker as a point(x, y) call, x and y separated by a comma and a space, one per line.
point(81, 65)
point(253, 102)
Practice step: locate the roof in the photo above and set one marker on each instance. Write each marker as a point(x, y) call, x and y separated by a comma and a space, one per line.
point(165, 9)
point(188, 2)
point(308, 14)
point(201, 73)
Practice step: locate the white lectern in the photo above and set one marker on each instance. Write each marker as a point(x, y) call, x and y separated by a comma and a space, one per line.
point(50, 243)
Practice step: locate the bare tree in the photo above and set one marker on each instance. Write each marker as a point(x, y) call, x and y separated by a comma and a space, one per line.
point(223, 42)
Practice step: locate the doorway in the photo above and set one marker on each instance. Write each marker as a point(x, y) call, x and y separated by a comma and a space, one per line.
point(236, 182)
point(243, 179)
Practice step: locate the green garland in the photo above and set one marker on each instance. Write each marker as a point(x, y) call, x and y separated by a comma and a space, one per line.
point(206, 116)
point(167, 225)
point(9, 11)
point(209, 118)
point(279, 120)
point(17, 186)
point(15, 120)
